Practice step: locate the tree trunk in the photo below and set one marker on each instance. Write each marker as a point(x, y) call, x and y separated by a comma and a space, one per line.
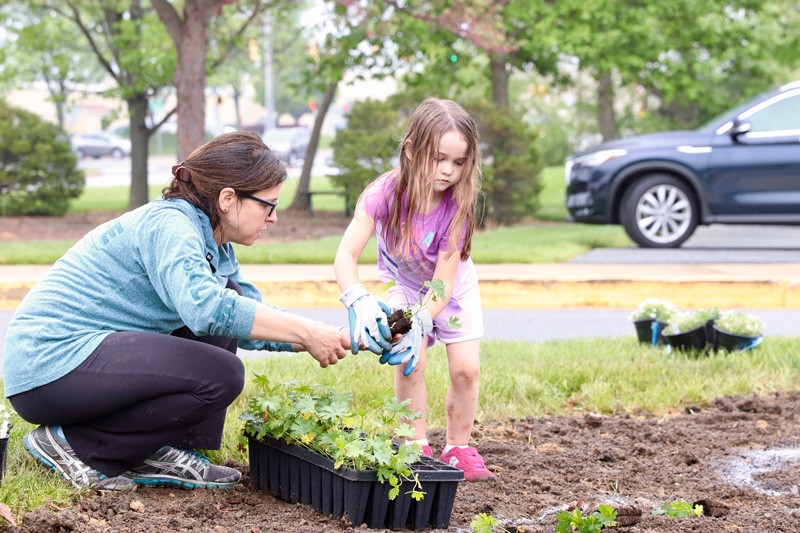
point(605, 107)
point(140, 137)
point(500, 77)
point(190, 75)
point(303, 201)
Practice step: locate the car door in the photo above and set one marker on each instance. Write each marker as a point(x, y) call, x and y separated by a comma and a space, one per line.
point(754, 172)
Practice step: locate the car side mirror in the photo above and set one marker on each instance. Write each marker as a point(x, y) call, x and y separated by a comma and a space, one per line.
point(740, 128)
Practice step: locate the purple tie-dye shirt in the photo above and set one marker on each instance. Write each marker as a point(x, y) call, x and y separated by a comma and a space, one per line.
point(431, 232)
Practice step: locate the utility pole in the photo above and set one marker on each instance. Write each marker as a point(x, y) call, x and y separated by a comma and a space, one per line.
point(269, 96)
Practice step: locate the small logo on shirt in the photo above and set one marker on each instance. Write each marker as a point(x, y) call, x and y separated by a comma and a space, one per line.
point(209, 257)
point(427, 240)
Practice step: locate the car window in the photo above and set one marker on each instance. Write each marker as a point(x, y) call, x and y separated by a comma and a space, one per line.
point(781, 115)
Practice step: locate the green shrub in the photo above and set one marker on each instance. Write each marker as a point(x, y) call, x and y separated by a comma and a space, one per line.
point(366, 148)
point(38, 171)
point(511, 165)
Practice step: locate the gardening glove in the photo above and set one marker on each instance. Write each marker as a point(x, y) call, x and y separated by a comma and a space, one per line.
point(368, 320)
point(406, 350)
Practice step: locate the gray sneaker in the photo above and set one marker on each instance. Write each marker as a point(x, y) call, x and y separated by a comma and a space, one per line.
point(183, 468)
point(56, 453)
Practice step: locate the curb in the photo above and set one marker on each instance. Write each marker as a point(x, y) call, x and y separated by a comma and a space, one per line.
point(533, 286)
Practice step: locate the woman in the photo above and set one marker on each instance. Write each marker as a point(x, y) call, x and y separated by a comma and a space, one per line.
point(125, 352)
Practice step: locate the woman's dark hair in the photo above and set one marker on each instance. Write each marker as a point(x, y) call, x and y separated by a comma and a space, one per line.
point(239, 160)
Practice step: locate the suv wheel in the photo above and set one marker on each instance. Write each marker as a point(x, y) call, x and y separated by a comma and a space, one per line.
point(659, 211)
point(116, 153)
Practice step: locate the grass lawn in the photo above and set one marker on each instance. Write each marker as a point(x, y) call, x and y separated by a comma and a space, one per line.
point(614, 376)
point(544, 238)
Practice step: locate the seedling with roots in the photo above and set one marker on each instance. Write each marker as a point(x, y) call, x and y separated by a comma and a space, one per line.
point(400, 320)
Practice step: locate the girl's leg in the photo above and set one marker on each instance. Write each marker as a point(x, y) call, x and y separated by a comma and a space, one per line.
point(413, 387)
point(461, 403)
point(463, 361)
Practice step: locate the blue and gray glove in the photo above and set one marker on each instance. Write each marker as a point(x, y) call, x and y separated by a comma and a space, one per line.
point(368, 319)
point(406, 350)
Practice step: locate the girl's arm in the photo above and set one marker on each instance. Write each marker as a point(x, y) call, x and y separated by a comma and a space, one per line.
point(354, 240)
point(446, 268)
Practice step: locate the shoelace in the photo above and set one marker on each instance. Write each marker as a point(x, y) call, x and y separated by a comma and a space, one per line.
point(192, 455)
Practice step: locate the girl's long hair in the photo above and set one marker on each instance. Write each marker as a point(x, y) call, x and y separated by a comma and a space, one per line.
point(419, 150)
point(239, 160)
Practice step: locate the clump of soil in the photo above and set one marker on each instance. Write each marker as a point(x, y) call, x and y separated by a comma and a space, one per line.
point(543, 466)
point(399, 322)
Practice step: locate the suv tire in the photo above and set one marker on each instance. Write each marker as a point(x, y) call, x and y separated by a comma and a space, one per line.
point(659, 211)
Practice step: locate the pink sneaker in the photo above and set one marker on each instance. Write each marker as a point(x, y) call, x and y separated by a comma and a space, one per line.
point(426, 451)
point(470, 461)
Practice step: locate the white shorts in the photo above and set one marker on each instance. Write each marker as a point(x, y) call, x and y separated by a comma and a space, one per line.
point(466, 307)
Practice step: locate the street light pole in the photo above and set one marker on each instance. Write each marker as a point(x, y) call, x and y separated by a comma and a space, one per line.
point(269, 96)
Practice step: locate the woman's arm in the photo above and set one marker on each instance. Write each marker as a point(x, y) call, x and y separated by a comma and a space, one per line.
point(324, 342)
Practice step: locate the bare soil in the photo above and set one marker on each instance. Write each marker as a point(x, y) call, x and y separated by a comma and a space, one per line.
point(739, 454)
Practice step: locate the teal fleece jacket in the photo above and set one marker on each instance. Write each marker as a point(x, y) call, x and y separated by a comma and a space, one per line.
point(154, 269)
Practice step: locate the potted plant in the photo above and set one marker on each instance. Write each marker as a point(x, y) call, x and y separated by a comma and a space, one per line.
point(650, 318)
point(307, 444)
point(691, 330)
point(736, 331)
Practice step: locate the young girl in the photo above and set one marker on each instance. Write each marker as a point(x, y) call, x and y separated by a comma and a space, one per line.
point(424, 215)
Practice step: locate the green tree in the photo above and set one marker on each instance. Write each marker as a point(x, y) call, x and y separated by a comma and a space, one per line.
point(29, 58)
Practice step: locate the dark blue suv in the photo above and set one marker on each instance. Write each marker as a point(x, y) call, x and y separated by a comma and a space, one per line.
point(740, 168)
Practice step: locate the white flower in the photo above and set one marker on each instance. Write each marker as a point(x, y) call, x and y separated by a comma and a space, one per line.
point(737, 323)
point(654, 309)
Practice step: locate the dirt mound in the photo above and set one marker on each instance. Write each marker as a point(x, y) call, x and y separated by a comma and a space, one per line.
point(740, 453)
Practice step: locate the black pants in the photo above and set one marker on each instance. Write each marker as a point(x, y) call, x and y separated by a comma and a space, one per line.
point(138, 392)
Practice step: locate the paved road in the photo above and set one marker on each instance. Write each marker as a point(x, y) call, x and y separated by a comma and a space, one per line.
point(544, 325)
point(713, 244)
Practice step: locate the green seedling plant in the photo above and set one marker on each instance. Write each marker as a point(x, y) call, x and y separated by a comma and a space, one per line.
point(605, 516)
point(484, 523)
point(321, 419)
point(679, 509)
point(435, 293)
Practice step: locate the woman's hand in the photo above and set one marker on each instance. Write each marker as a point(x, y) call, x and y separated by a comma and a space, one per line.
point(328, 344)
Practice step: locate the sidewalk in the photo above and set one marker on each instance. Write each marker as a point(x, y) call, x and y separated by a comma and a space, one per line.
point(527, 286)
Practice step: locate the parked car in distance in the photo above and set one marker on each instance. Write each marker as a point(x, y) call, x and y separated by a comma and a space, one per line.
point(742, 167)
point(289, 143)
point(100, 144)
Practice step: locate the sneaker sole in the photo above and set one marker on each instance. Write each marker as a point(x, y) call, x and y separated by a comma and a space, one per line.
point(163, 481)
point(39, 454)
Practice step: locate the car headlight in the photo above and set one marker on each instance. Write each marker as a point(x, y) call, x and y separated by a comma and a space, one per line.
point(595, 159)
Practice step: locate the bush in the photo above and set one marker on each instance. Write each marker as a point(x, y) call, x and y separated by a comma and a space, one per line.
point(367, 147)
point(38, 171)
point(511, 165)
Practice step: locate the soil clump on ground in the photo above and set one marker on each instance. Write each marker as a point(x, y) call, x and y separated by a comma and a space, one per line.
point(739, 454)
